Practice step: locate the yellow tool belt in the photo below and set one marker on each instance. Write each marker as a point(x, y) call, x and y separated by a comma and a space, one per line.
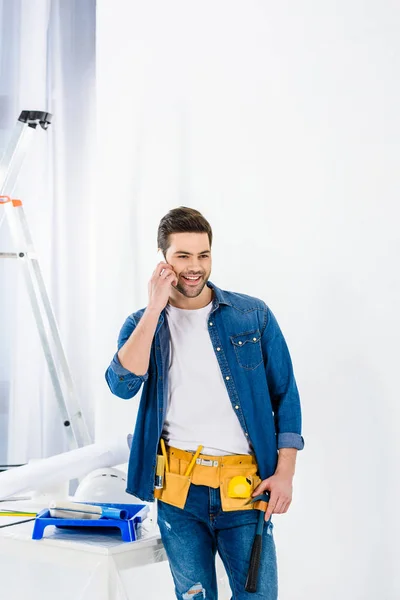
point(212, 471)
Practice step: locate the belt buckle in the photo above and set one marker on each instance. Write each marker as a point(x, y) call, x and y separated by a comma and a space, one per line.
point(206, 463)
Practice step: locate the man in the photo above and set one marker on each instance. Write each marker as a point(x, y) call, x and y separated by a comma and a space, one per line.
point(218, 378)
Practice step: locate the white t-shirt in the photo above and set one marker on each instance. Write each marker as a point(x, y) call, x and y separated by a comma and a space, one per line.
point(199, 410)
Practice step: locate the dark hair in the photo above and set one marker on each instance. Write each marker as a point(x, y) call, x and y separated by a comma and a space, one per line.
point(181, 220)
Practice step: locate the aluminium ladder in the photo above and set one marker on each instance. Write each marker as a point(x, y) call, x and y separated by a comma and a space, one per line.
point(10, 165)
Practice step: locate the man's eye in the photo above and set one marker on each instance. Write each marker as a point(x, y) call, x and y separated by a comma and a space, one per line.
point(202, 256)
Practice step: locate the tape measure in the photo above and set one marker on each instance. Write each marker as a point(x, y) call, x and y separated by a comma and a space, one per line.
point(239, 487)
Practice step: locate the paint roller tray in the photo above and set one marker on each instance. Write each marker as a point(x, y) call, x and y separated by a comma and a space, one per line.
point(129, 527)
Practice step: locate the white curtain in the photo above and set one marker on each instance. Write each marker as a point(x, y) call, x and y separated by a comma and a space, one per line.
point(280, 122)
point(47, 62)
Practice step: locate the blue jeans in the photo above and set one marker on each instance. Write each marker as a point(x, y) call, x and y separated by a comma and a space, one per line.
point(192, 536)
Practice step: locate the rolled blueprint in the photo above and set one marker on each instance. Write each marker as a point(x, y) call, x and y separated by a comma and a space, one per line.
point(62, 467)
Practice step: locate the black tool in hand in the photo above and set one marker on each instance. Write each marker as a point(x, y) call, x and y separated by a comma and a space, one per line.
point(252, 575)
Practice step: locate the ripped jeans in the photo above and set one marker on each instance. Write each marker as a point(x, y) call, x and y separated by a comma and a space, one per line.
point(192, 536)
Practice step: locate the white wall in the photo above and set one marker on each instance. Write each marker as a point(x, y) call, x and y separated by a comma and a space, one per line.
point(280, 122)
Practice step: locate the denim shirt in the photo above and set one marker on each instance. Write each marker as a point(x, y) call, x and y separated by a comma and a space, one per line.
point(257, 370)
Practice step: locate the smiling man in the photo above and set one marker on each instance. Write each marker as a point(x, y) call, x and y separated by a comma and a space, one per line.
point(219, 408)
point(193, 269)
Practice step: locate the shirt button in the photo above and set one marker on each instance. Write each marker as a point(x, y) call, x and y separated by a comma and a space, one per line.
point(210, 323)
point(227, 378)
point(236, 407)
point(121, 378)
point(240, 343)
point(218, 349)
point(247, 434)
point(254, 339)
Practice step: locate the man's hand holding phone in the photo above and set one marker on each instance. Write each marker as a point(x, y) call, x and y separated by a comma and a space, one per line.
point(160, 286)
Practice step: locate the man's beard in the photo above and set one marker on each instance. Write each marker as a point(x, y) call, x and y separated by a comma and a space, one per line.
point(192, 291)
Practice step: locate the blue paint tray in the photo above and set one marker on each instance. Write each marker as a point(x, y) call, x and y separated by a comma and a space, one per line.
point(129, 527)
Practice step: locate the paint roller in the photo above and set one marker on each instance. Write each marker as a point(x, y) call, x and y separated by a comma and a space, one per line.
point(63, 509)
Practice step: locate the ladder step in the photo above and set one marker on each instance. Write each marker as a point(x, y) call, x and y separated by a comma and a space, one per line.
point(30, 255)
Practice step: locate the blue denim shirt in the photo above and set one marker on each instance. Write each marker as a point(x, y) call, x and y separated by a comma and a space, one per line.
point(258, 374)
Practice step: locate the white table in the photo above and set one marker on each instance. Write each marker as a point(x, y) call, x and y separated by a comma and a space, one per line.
point(69, 565)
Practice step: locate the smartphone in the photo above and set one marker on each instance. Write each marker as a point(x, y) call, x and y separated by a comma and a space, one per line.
point(160, 258)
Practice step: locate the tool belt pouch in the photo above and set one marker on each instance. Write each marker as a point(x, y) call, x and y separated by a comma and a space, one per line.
point(176, 486)
point(175, 490)
point(227, 473)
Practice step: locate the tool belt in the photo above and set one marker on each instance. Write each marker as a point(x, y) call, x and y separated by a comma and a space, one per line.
point(212, 471)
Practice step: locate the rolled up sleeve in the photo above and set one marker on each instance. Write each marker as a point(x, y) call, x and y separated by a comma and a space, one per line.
point(282, 386)
point(124, 383)
point(290, 440)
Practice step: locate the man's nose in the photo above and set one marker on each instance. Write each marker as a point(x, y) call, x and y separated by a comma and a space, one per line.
point(195, 267)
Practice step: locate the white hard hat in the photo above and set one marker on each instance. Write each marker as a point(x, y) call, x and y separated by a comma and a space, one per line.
point(105, 485)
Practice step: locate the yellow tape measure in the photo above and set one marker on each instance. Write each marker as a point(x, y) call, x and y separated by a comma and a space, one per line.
point(239, 487)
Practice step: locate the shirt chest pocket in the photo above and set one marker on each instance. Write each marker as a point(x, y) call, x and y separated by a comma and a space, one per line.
point(248, 348)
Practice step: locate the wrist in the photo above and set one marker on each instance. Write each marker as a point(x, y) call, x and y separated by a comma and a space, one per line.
point(151, 309)
point(286, 463)
point(284, 473)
